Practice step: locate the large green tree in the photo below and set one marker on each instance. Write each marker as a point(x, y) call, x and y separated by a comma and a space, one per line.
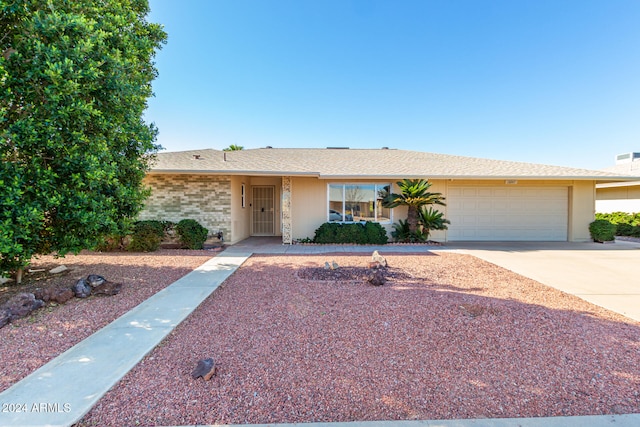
point(75, 77)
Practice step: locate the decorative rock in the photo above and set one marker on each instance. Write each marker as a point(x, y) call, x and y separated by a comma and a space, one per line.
point(43, 294)
point(58, 269)
point(107, 288)
point(376, 257)
point(61, 295)
point(94, 280)
point(327, 266)
point(4, 280)
point(5, 316)
point(81, 289)
point(334, 265)
point(376, 278)
point(206, 369)
point(22, 305)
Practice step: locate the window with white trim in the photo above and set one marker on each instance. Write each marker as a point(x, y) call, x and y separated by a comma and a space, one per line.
point(358, 202)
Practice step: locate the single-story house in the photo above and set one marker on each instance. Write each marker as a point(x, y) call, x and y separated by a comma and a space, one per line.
point(290, 192)
point(620, 196)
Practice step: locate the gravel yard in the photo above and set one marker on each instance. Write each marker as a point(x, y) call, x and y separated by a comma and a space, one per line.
point(448, 336)
point(30, 342)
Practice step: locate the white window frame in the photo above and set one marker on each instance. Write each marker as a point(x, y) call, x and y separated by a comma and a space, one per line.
point(377, 187)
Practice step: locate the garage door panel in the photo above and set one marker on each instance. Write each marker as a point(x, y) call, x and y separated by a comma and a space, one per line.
point(500, 213)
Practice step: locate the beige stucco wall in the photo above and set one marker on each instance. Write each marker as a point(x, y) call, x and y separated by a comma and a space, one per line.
point(240, 216)
point(309, 203)
point(618, 199)
point(216, 202)
point(205, 198)
point(582, 210)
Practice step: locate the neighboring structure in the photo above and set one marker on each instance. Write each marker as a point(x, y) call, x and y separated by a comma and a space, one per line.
point(621, 196)
point(291, 192)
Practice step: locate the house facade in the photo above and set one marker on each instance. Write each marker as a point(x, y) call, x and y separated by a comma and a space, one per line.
point(291, 192)
point(620, 196)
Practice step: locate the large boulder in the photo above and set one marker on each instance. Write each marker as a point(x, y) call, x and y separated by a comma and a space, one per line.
point(81, 289)
point(22, 305)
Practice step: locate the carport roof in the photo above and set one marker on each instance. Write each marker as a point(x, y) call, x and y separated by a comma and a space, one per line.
point(363, 163)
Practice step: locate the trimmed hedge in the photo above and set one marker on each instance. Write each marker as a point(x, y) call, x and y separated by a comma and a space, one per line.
point(191, 233)
point(146, 236)
point(602, 230)
point(627, 224)
point(358, 233)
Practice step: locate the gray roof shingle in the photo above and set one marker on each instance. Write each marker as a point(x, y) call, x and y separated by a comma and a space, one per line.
point(363, 163)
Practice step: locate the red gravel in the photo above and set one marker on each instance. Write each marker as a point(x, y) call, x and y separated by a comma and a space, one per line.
point(451, 337)
point(29, 343)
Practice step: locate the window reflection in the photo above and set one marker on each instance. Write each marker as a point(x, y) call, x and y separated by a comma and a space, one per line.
point(358, 202)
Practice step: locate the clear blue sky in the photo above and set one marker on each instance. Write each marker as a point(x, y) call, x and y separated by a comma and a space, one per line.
point(554, 82)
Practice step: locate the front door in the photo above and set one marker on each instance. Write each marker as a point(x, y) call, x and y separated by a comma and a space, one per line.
point(263, 211)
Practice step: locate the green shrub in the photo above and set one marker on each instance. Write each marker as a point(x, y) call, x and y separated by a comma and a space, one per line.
point(375, 233)
point(357, 233)
point(431, 219)
point(146, 236)
point(627, 224)
point(402, 234)
point(620, 217)
point(602, 230)
point(111, 243)
point(191, 233)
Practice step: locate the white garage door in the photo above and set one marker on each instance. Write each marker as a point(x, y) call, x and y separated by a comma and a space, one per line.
point(508, 213)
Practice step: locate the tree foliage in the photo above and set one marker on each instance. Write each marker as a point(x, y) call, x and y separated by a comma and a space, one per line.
point(414, 193)
point(75, 77)
point(233, 147)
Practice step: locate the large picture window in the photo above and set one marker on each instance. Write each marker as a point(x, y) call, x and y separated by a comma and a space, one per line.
point(358, 202)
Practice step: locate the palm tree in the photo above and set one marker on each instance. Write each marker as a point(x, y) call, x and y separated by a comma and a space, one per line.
point(414, 194)
point(233, 147)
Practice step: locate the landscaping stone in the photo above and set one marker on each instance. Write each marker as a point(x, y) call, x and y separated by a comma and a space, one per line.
point(5, 316)
point(58, 269)
point(61, 295)
point(206, 369)
point(107, 288)
point(81, 289)
point(94, 280)
point(22, 305)
point(376, 278)
point(376, 257)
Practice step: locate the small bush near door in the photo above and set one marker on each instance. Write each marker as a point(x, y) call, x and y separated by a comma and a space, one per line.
point(146, 236)
point(191, 233)
point(357, 233)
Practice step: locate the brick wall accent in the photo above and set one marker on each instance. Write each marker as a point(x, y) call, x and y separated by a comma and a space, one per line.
point(205, 198)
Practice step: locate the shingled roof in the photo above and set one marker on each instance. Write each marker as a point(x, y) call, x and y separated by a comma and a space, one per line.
point(363, 163)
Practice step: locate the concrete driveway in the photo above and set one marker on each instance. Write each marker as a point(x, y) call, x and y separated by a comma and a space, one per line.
point(604, 274)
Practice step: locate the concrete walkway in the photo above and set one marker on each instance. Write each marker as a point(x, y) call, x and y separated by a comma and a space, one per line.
point(64, 390)
point(61, 392)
